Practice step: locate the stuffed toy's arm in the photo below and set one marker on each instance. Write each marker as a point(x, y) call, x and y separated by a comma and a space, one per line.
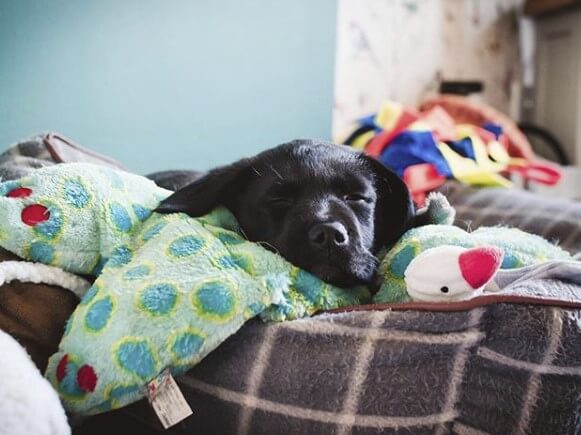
point(75, 216)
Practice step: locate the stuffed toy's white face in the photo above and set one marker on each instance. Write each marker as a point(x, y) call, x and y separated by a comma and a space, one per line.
point(451, 273)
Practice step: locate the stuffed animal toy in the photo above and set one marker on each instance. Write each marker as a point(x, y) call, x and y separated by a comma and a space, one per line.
point(440, 262)
point(170, 288)
point(451, 273)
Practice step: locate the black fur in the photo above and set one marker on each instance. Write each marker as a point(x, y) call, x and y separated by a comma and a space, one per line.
point(325, 208)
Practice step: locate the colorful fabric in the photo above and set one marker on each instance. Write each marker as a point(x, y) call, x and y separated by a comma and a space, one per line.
point(403, 138)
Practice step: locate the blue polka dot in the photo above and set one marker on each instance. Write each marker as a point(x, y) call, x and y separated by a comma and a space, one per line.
point(141, 212)
point(7, 186)
point(309, 286)
point(150, 233)
point(138, 272)
point(158, 299)
point(53, 226)
point(114, 178)
point(401, 261)
point(185, 246)
point(135, 356)
point(76, 194)
point(120, 217)
point(98, 314)
point(41, 252)
point(233, 261)
point(99, 266)
point(68, 385)
point(214, 300)
point(510, 261)
point(230, 238)
point(120, 256)
point(254, 309)
point(123, 390)
point(186, 345)
point(90, 294)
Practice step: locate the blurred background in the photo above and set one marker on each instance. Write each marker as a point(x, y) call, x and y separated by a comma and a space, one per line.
point(194, 84)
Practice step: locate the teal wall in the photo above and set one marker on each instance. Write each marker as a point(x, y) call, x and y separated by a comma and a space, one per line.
point(167, 84)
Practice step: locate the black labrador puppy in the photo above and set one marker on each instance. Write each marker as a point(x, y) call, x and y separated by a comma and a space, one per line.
point(323, 207)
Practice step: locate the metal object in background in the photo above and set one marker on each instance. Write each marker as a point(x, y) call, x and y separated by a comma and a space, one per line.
point(545, 143)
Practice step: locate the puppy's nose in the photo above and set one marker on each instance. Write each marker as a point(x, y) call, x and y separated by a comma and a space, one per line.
point(328, 234)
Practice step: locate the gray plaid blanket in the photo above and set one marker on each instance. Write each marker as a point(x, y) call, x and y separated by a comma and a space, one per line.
point(489, 366)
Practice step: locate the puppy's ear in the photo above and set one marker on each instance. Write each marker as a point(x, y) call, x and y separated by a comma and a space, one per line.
point(215, 188)
point(394, 210)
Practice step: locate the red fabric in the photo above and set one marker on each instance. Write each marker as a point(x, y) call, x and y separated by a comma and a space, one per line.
point(35, 214)
point(420, 179)
point(86, 378)
point(19, 192)
point(478, 265)
point(61, 368)
point(466, 111)
point(376, 145)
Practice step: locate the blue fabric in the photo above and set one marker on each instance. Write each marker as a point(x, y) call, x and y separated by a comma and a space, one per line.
point(463, 147)
point(493, 128)
point(411, 148)
point(369, 121)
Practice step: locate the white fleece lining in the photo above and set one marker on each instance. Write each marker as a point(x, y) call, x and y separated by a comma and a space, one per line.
point(37, 273)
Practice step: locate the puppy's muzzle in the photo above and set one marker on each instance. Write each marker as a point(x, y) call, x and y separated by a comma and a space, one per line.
point(328, 235)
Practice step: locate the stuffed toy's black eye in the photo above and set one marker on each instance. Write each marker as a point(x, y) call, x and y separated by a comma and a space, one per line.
point(444, 289)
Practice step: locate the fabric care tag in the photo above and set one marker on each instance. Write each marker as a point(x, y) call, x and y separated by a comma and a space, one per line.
point(167, 400)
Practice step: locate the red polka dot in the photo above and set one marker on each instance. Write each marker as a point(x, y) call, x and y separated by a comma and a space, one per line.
point(86, 378)
point(61, 368)
point(35, 214)
point(20, 192)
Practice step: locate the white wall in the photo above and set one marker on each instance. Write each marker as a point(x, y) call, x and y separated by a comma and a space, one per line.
point(399, 49)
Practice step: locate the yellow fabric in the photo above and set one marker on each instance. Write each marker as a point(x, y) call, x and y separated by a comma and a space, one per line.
point(467, 171)
point(500, 154)
point(388, 115)
point(362, 140)
point(480, 151)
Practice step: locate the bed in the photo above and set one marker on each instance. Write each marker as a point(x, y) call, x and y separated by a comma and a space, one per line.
point(496, 364)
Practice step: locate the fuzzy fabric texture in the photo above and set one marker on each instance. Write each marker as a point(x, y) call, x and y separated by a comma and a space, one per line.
point(520, 249)
point(170, 288)
point(37, 273)
point(28, 403)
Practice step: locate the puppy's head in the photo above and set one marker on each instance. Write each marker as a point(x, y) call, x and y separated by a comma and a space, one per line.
point(325, 208)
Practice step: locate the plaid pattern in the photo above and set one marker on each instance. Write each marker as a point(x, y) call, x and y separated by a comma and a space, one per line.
point(555, 219)
point(497, 369)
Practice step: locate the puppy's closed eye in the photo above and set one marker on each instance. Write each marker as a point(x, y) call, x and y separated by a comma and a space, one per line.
point(358, 197)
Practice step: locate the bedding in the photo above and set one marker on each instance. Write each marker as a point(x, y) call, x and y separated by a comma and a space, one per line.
point(495, 364)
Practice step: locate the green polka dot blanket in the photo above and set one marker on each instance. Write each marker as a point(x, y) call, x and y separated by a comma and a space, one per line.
point(170, 288)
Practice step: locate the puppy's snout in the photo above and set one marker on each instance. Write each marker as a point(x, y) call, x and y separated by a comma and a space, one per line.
point(328, 234)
